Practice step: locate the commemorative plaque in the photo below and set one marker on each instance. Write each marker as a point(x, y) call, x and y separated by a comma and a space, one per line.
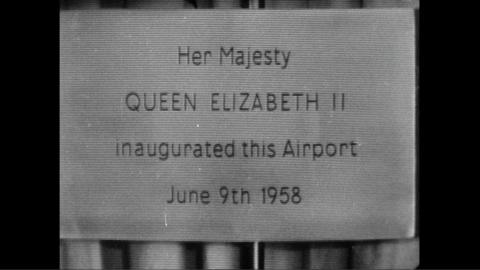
point(237, 125)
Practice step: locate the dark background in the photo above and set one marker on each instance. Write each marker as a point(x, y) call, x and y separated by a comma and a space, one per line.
point(448, 200)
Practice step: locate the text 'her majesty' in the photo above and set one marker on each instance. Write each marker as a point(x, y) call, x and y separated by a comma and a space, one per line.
point(232, 56)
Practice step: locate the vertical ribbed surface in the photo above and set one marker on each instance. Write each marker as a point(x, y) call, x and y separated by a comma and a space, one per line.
point(222, 256)
point(61, 255)
point(83, 4)
point(156, 4)
point(156, 255)
point(328, 256)
point(204, 4)
point(226, 4)
point(115, 254)
point(82, 254)
point(285, 4)
point(193, 255)
point(346, 4)
point(319, 3)
point(393, 254)
point(284, 256)
point(335, 3)
point(390, 3)
point(112, 3)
